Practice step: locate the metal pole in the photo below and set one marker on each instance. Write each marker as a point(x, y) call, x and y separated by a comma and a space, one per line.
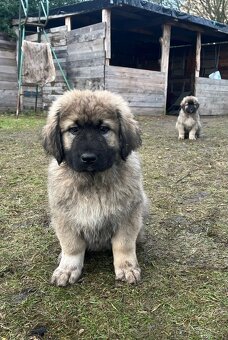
point(22, 6)
point(37, 87)
point(19, 62)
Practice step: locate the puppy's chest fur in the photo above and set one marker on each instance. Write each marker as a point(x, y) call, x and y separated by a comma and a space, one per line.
point(189, 122)
point(94, 207)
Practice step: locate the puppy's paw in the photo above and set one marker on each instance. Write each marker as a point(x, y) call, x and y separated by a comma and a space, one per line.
point(62, 276)
point(191, 137)
point(181, 137)
point(128, 273)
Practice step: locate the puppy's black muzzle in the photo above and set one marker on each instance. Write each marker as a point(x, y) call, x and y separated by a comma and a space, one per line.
point(90, 151)
point(191, 109)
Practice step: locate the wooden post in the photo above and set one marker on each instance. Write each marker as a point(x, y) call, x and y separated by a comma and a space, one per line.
point(198, 51)
point(165, 46)
point(68, 23)
point(106, 18)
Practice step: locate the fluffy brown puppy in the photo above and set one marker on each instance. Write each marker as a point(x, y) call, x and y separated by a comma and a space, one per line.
point(95, 186)
point(188, 122)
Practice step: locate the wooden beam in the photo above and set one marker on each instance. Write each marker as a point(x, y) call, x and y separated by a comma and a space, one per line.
point(16, 22)
point(68, 23)
point(188, 26)
point(165, 46)
point(198, 51)
point(106, 18)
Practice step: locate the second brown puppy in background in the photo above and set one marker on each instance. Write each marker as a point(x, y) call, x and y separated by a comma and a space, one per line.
point(188, 122)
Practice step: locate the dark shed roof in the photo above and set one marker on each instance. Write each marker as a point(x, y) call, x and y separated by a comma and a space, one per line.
point(170, 14)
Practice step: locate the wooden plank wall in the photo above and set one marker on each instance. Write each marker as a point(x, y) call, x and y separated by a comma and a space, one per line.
point(86, 57)
point(81, 55)
point(58, 40)
point(144, 90)
point(212, 95)
point(8, 74)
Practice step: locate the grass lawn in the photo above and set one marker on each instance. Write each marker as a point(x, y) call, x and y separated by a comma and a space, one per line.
point(184, 259)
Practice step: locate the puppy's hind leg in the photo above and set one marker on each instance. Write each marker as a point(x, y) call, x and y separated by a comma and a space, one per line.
point(198, 132)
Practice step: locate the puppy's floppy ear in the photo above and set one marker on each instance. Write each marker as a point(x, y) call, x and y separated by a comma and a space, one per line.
point(129, 134)
point(52, 138)
point(182, 104)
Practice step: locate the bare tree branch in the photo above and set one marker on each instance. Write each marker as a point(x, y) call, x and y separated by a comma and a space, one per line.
point(216, 10)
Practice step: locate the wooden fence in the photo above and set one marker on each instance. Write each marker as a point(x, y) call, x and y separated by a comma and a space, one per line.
point(144, 90)
point(86, 57)
point(8, 74)
point(212, 95)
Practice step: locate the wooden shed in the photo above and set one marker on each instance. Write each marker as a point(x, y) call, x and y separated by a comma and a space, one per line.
point(151, 55)
point(8, 74)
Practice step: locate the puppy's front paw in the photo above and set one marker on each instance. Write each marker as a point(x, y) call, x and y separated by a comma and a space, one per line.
point(192, 137)
point(181, 137)
point(63, 275)
point(128, 273)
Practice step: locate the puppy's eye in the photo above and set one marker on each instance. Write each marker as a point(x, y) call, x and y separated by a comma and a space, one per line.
point(73, 130)
point(104, 129)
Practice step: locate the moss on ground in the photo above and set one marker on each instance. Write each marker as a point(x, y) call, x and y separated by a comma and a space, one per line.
point(184, 259)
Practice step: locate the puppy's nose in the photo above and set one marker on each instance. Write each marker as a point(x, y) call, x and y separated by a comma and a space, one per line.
point(88, 157)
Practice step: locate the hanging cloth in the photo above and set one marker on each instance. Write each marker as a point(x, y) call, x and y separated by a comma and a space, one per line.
point(38, 65)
